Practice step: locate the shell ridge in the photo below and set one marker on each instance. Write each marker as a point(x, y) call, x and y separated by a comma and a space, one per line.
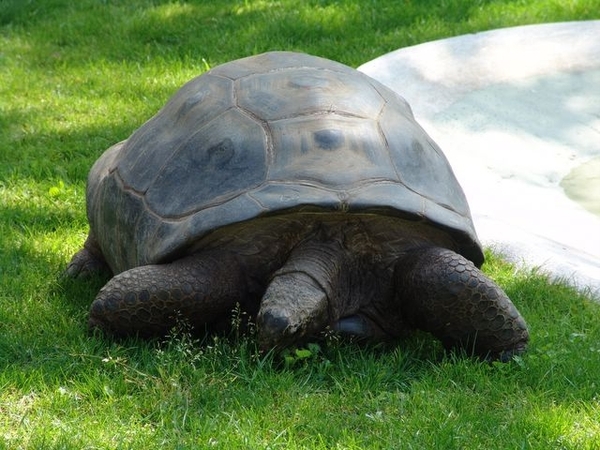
point(166, 162)
point(322, 112)
point(388, 149)
point(289, 68)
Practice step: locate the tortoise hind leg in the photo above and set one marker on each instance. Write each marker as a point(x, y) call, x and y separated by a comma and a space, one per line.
point(148, 301)
point(87, 261)
point(441, 292)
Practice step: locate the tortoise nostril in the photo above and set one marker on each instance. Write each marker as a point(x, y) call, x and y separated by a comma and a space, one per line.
point(273, 325)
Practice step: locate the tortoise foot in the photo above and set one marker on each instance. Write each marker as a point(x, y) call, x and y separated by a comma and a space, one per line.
point(442, 292)
point(149, 301)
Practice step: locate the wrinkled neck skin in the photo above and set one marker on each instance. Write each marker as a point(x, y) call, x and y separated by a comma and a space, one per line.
point(366, 248)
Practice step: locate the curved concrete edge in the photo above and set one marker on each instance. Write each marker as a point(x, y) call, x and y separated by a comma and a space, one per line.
point(515, 110)
point(434, 74)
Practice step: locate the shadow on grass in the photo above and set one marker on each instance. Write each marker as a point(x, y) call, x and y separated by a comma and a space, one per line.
point(137, 30)
point(43, 156)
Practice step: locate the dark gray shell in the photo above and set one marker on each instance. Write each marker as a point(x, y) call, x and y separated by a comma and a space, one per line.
point(265, 135)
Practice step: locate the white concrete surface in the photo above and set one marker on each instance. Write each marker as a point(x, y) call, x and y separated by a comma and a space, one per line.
point(516, 110)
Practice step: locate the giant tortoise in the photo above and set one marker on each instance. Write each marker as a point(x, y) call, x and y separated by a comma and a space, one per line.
point(301, 191)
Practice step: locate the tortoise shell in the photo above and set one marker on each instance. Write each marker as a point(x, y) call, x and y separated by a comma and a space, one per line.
point(266, 135)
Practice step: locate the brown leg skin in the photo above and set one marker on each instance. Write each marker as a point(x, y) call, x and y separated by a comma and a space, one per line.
point(87, 261)
point(441, 292)
point(148, 301)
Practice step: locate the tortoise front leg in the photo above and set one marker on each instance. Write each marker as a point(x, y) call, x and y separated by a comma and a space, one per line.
point(441, 292)
point(147, 301)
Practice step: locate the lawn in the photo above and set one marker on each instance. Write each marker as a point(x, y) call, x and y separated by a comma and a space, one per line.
point(78, 76)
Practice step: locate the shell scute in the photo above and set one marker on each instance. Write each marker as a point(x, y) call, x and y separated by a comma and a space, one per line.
point(197, 103)
point(314, 91)
point(420, 164)
point(335, 152)
point(223, 159)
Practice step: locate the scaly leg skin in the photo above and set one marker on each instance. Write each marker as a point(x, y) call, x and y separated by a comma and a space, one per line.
point(302, 297)
point(87, 261)
point(443, 293)
point(147, 301)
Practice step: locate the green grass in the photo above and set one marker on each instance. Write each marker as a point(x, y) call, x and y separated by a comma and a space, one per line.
point(76, 77)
